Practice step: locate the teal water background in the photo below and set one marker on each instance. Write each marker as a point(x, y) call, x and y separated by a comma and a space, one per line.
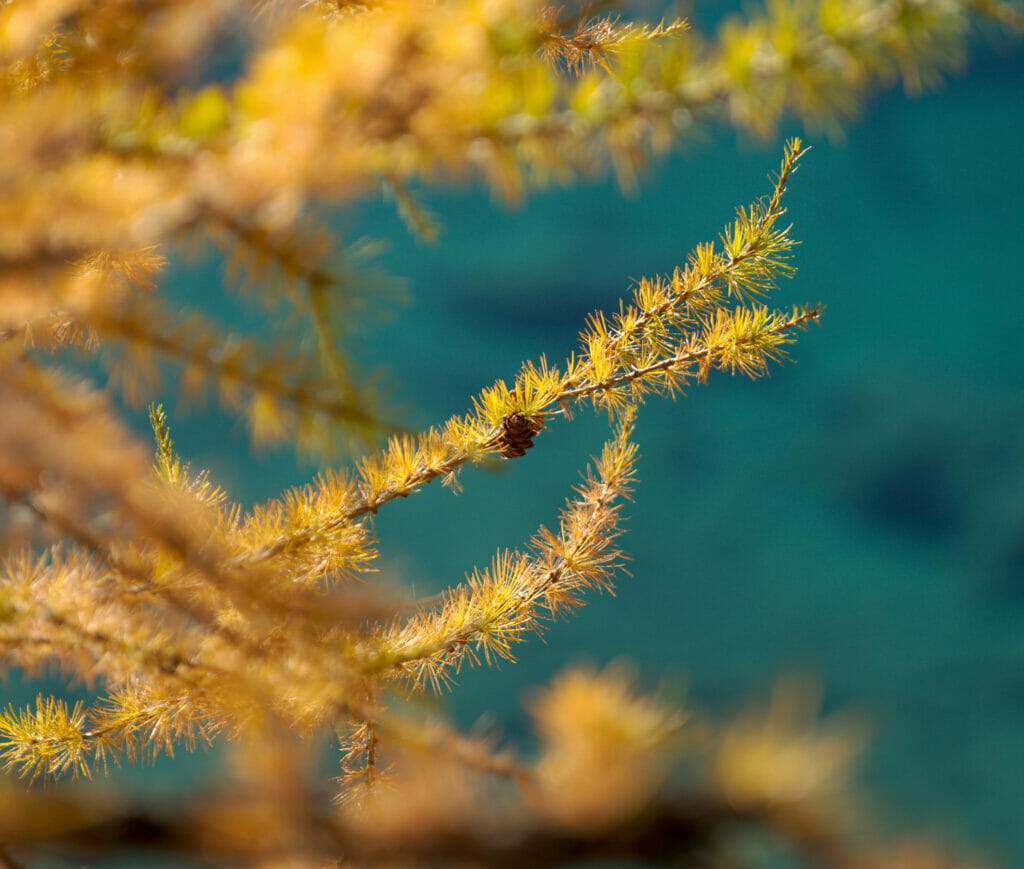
point(858, 516)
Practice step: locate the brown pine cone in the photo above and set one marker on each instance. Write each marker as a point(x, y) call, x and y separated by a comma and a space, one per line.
point(517, 433)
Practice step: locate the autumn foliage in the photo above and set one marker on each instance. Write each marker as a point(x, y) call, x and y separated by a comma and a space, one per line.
point(195, 619)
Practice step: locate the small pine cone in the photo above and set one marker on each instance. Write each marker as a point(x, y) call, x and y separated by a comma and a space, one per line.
point(517, 433)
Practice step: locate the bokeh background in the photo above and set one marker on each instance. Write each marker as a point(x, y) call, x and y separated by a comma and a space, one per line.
point(857, 518)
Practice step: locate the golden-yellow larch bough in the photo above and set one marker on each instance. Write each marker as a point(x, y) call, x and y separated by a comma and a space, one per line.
point(192, 618)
